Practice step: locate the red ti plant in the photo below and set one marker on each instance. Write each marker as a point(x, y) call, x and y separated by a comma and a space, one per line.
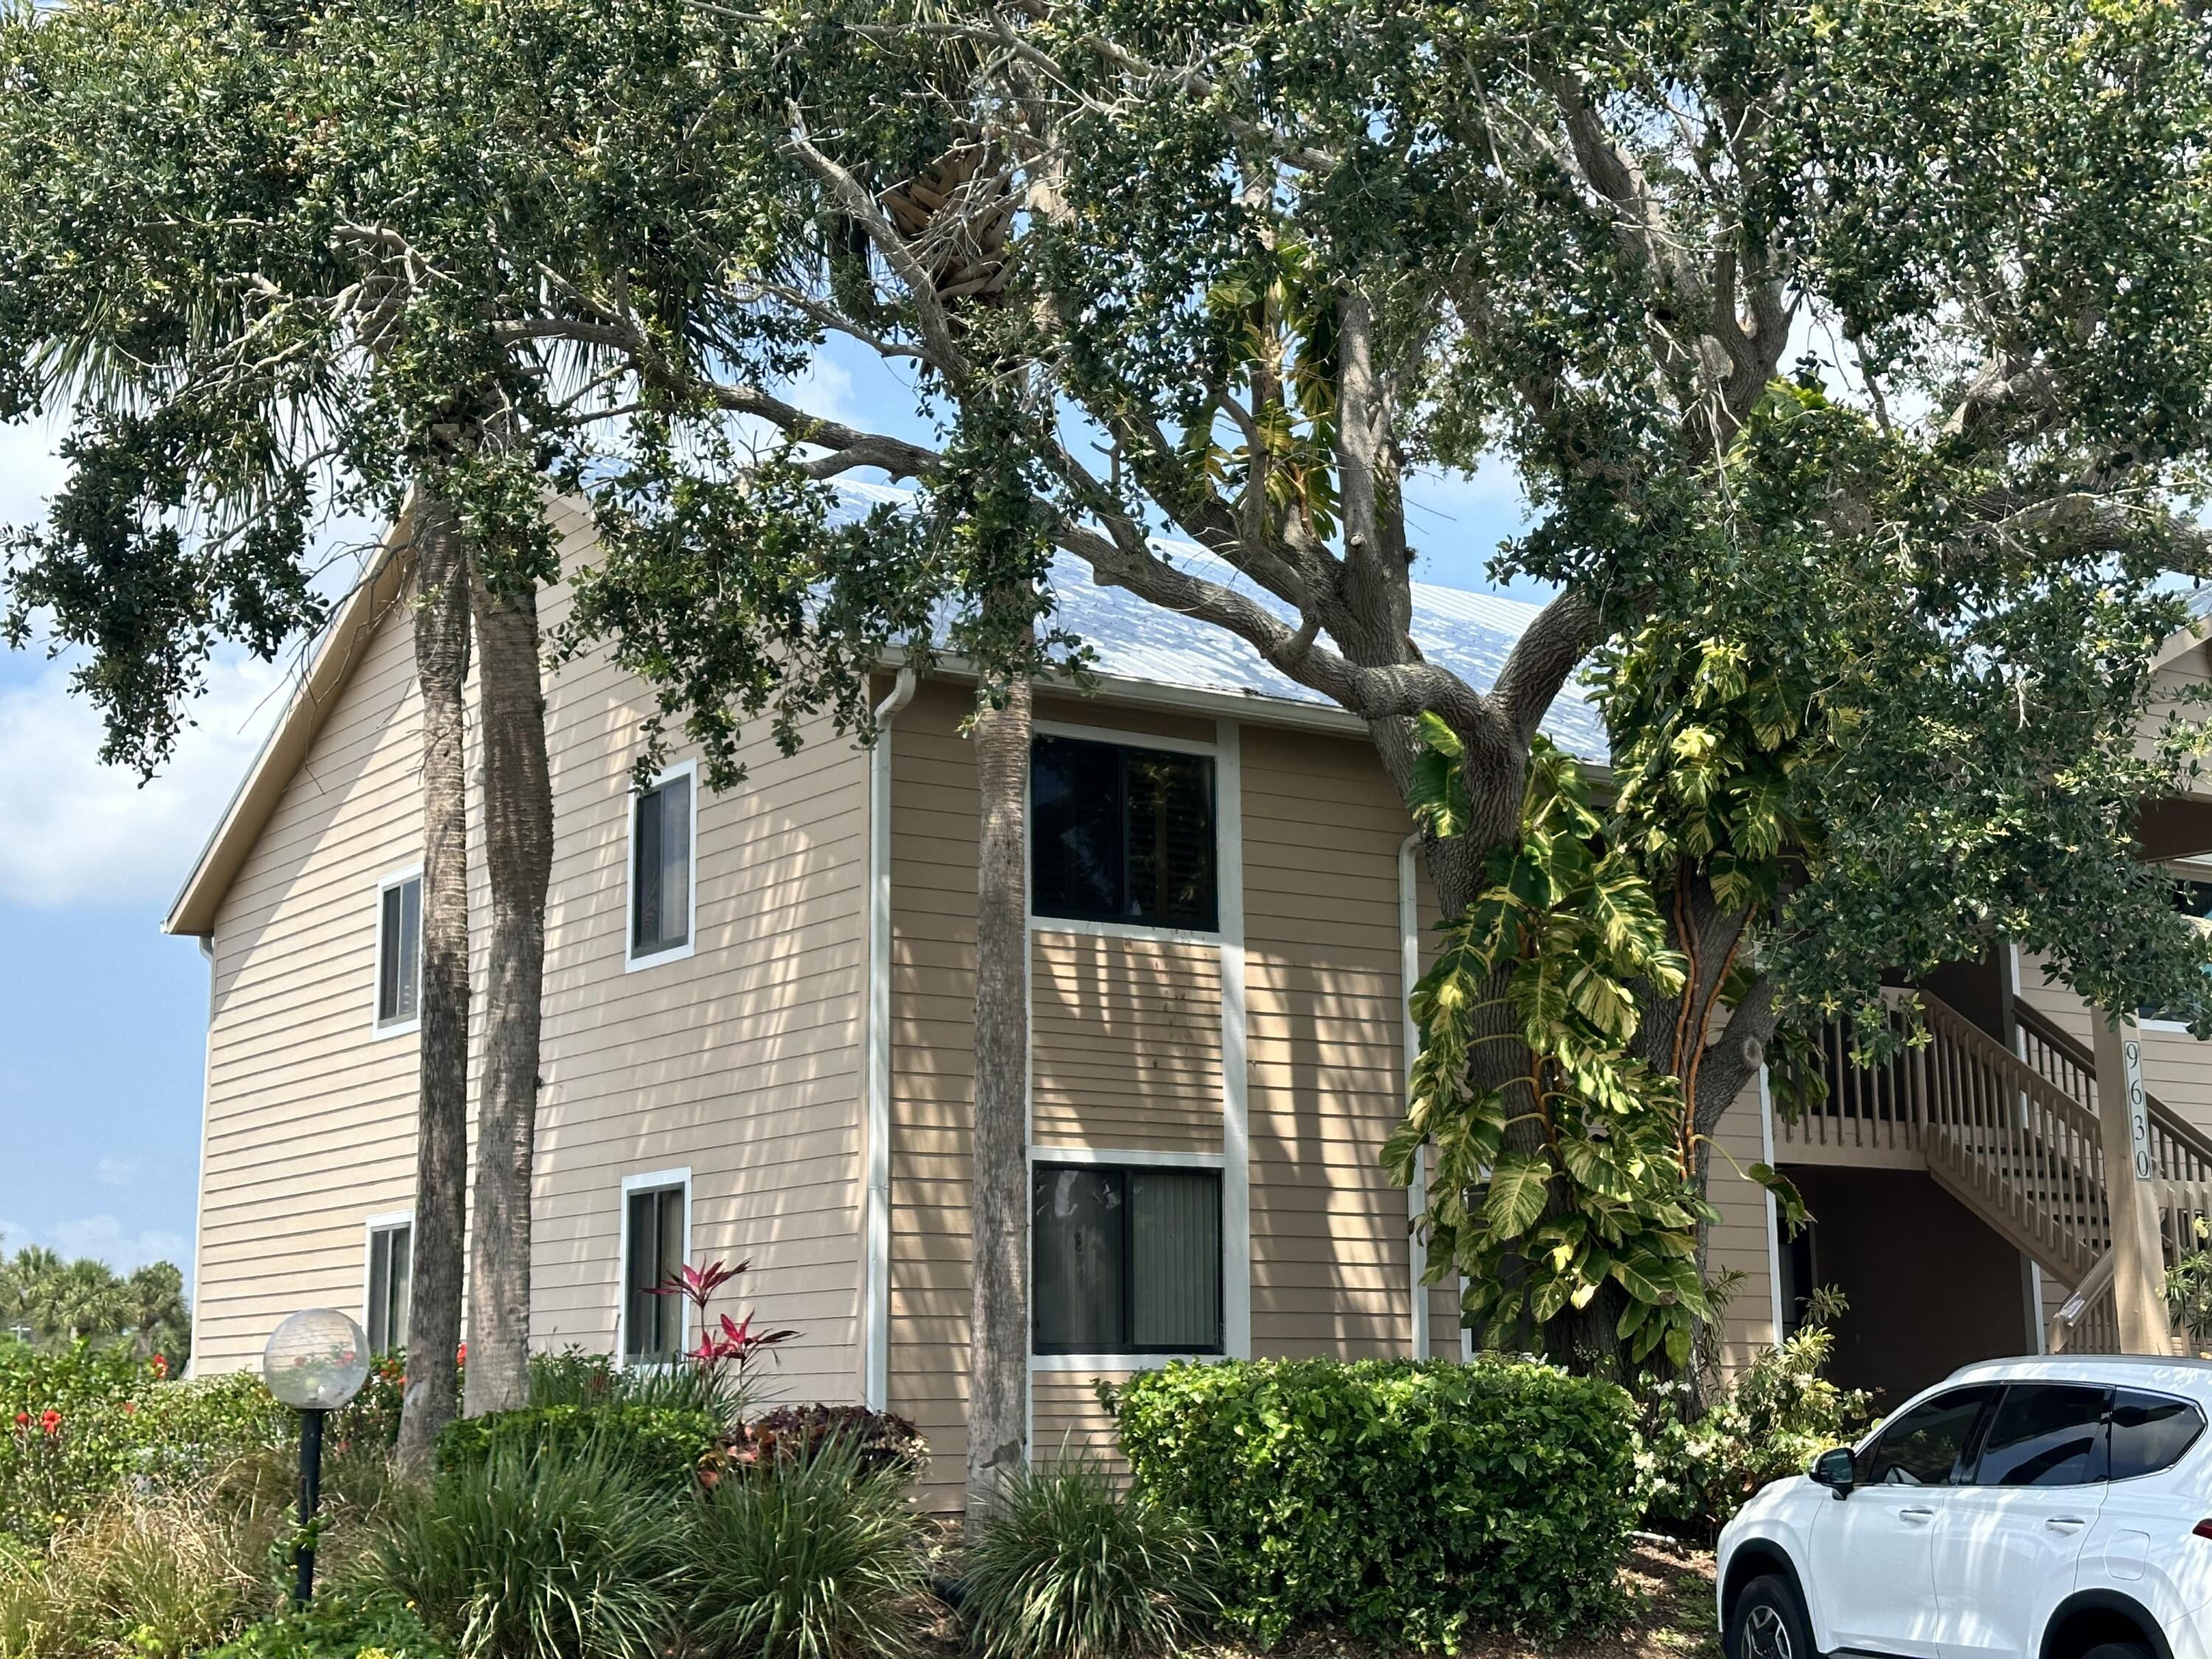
point(728, 1347)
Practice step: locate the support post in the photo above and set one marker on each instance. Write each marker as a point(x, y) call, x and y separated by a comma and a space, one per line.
point(311, 1480)
point(2123, 1128)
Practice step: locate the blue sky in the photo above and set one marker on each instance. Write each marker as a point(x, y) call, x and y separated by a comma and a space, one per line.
point(103, 1018)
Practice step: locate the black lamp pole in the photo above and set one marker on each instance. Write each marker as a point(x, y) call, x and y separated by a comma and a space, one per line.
point(311, 1480)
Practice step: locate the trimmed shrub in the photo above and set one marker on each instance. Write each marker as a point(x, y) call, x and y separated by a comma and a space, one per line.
point(662, 1445)
point(545, 1551)
point(337, 1626)
point(879, 1440)
point(813, 1557)
point(1407, 1500)
point(1068, 1568)
point(1697, 1467)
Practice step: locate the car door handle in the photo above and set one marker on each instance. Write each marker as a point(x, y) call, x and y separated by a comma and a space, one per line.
point(1916, 1516)
point(2064, 1522)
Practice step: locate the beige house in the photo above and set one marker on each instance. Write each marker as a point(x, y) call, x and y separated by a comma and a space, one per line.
point(756, 1043)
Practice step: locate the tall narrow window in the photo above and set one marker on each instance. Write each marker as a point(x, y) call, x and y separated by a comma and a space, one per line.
point(1121, 834)
point(1127, 1261)
point(661, 869)
point(400, 951)
point(391, 1273)
point(652, 1323)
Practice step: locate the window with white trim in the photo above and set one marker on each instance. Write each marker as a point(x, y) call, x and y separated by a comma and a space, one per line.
point(655, 1245)
point(1125, 1258)
point(398, 952)
point(661, 868)
point(390, 1277)
point(1123, 833)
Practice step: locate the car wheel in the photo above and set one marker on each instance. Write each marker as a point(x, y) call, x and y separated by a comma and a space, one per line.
point(1768, 1622)
point(2118, 1650)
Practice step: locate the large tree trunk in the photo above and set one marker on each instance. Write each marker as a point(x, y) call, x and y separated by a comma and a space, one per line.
point(518, 852)
point(442, 666)
point(999, 1333)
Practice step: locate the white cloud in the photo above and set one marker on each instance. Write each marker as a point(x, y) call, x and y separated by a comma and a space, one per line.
point(30, 472)
point(118, 1171)
point(73, 831)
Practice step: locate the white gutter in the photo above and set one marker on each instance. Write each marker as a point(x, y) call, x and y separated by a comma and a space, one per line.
point(1416, 1193)
point(875, 1311)
point(199, 1188)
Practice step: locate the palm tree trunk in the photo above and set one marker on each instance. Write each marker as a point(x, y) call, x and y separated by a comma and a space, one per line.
point(519, 853)
point(998, 1331)
point(442, 666)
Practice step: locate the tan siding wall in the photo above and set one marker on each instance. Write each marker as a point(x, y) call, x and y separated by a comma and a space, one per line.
point(1125, 1043)
point(309, 1119)
point(1330, 1248)
point(1067, 1419)
point(1739, 1241)
point(2177, 1067)
point(741, 1061)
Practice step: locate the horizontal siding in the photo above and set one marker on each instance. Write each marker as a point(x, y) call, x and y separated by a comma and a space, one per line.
point(1125, 1043)
point(1331, 1250)
point(741, 1062)
point(1067, 1419)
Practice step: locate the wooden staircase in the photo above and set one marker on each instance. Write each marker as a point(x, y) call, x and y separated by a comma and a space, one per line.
point(2015, 1138)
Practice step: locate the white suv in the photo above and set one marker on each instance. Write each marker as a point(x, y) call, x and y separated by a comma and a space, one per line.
point(2047, 1509)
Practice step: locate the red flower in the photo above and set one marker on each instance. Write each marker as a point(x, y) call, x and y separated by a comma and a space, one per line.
point(22, 1419)
point(50, 1420)
point(130, 1408)
point(461, 1354)
point(161, 1364)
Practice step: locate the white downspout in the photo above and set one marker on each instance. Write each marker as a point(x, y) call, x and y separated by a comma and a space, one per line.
point(199, 1194)
point(1416, 1193)
point(876, 1309)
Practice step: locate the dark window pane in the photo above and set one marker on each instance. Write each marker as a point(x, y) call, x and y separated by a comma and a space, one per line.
point(675, 862)
point(2150, 1431)
point(2045, 1434)
point(1175, 1260)
point(654, 1323)
point(1922, 1448)
point(380, 1291)
point(391, 1267)
point(1170, 839)
point(387, 956)
point(411, 947)
point(1079, 1234)
point(660, 901)
point(1075, 830)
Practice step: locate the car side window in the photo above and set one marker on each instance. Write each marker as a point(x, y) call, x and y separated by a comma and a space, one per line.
point(1924, 1447)
point(2045, 1434)
point(2150, 1431)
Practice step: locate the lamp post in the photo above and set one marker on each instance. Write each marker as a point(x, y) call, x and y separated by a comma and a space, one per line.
point(315, 1362)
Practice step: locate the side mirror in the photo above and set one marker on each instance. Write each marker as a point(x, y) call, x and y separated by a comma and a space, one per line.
point(1837, 1470)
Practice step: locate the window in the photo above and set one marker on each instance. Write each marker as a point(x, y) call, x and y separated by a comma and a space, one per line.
point(2045, 1434)
point(390, 1279)
point(1119, 834)
point(660, 868)
point(398, 952)
point(654, 1252)
point(1127, 1261)
point(2149, 1432)
point(1923, 1447)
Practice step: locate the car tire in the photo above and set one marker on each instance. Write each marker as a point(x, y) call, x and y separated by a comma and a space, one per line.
point(1768, 1622)
point(2119, 1650)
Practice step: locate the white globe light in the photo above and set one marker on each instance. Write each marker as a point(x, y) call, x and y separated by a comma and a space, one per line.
point(316, 1360)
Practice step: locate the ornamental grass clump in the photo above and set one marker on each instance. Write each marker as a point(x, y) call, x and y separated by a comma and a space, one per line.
point(1066, 1567)
point(148, 1577)
point(563, 1554)
point(806, 1558)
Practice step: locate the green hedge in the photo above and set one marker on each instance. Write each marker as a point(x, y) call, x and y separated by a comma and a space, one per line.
point(1409, 1501)
point(663, 1444)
